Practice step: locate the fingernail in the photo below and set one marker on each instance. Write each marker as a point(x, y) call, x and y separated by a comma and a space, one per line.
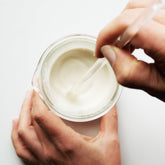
point(109, 54)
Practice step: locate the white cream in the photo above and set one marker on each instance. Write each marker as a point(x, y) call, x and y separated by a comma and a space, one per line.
point(94, 95)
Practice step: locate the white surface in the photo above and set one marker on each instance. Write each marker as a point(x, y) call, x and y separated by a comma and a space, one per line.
point(27, 28)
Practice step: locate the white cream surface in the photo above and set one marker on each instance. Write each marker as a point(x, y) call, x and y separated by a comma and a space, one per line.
point(93, 96)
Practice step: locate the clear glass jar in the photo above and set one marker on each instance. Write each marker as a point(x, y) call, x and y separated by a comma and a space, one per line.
point(39, 81)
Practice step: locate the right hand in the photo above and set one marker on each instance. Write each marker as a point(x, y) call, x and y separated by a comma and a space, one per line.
point(129, 71)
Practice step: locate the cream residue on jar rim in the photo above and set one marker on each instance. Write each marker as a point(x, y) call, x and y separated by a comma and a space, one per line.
point(66, 70)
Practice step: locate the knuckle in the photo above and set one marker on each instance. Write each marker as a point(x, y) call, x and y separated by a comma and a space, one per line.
point(38, 116)
point(49, 156)
point(122, 77)
point(68, 148)
point(130, 4)
point(101, 39)
point(115, 140)
point(22, 132)
point(122, 19)
point(126, 73)
point(127, 17)
point(101, 34)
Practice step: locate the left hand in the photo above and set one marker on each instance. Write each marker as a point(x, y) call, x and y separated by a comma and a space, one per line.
point(41, 137)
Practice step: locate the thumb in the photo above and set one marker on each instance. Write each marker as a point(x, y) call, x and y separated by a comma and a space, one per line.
point(131, 72)
point(109, 124)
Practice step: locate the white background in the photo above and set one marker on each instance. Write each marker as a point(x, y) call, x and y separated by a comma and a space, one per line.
point(27, 28)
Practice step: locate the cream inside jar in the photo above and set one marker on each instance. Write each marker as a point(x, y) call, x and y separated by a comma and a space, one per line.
point(61, 66)
point(66, 70)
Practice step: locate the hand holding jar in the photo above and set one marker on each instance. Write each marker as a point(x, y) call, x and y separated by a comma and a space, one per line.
point(40, 137)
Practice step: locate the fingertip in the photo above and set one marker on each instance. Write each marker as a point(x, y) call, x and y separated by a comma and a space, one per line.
point(38, 103)
point(113, 109)
point(98, 53)
point(35, 100)
point(112, 113)
point(40, 111)
point(109, 53)
point(34, 95)
point(108, 35)
point(27, 103)
point(101, 40)
point(29, 93)
point(15, 122)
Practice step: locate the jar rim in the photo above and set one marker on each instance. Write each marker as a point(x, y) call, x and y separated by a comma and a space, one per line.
point(41, 90)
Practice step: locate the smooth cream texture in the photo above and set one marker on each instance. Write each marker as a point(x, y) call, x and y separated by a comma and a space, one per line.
point(95, 94)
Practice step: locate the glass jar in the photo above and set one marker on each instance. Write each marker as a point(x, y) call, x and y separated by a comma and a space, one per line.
point(40, 77)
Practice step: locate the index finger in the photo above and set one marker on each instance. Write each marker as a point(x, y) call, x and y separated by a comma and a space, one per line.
point(25, 117)
point(137, 4)
point(51, 124)
point(114, 29)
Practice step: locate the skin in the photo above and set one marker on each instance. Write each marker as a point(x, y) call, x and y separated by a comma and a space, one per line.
point(129, 71)
point(41, 137)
